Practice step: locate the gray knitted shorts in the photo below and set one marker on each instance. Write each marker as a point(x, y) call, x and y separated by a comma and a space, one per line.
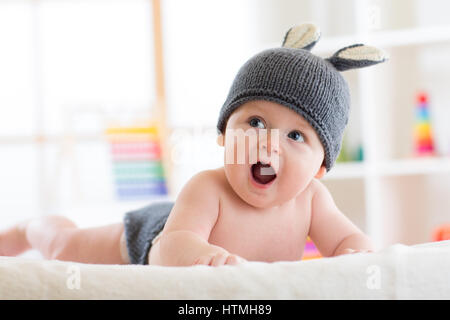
point(142, 227)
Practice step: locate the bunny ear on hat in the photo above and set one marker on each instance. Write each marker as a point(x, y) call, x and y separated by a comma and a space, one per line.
point(303, 36)
point(357, 56)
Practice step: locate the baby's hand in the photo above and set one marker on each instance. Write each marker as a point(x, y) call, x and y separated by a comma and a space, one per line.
point(219, 259)
point(351, 251)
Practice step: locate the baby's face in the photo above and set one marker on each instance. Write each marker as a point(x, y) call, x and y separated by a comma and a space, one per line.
point(269, 133)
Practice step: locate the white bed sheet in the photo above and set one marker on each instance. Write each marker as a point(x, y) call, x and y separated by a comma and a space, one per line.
point(398, 272)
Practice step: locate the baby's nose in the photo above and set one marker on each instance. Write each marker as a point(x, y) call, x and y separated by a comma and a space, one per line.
point(270, 153)
point(269, 143)
point(271, 146)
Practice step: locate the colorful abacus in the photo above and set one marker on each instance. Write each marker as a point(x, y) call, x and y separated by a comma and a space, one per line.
point(310, 251)
point(424, 145)
point(137, 165)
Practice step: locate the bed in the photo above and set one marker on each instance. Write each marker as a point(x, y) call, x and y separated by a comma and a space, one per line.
point(396, 272)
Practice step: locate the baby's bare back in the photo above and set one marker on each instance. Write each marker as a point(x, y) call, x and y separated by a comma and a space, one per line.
point(275, 234)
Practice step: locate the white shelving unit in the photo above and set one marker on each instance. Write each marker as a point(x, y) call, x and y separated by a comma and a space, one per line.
point(397, 198)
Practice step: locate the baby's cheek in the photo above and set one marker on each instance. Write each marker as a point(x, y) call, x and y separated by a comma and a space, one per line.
point(294, 180)
point(239, 152)
point(295, 177)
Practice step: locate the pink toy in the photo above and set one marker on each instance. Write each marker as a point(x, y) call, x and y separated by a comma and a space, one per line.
point(310, 251)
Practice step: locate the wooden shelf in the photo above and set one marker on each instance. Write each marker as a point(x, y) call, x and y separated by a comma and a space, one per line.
point(414, 166)
point(346, 170)
point(389, 39)
point(50, 138)
point(383, 39)
point(400, 167)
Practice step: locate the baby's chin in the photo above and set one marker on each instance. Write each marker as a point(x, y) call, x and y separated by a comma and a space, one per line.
point(265, 202)
point(259, 204)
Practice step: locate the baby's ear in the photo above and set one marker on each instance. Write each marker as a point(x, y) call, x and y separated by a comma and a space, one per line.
point(303, 36)
point(220, 139)
point(357, 56)
point(321, 172)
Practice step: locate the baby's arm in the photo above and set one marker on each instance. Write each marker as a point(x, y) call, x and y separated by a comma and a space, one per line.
point(331, 231)
point(184, 241)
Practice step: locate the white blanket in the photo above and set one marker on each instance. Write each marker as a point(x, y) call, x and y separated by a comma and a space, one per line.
point(398, 272)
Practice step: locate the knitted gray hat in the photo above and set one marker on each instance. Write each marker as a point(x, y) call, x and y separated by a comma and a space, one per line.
point(311, 86)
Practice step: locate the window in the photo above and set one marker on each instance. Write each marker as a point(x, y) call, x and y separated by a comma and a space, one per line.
point(69, 69)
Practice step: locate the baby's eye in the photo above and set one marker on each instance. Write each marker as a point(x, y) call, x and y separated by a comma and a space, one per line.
point(296, 136)
point(256, 123)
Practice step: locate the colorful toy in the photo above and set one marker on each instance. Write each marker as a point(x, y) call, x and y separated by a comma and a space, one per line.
point(360, 153)
point(347, 154)
point(424, 145)
point(344, 155)
point(441, 233)
point(310, 251)
point(137, 164)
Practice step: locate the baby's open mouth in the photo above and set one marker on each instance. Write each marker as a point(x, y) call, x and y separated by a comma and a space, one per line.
point(263, 173)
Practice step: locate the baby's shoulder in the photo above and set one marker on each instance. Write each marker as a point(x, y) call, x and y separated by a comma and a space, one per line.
point(308, 193)
point(207, 180)
point(316, 185)
point(313, 191)
point(210, 175)
point(321, 197)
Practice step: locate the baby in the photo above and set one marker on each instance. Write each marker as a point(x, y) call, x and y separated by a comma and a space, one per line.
point(287, 110)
